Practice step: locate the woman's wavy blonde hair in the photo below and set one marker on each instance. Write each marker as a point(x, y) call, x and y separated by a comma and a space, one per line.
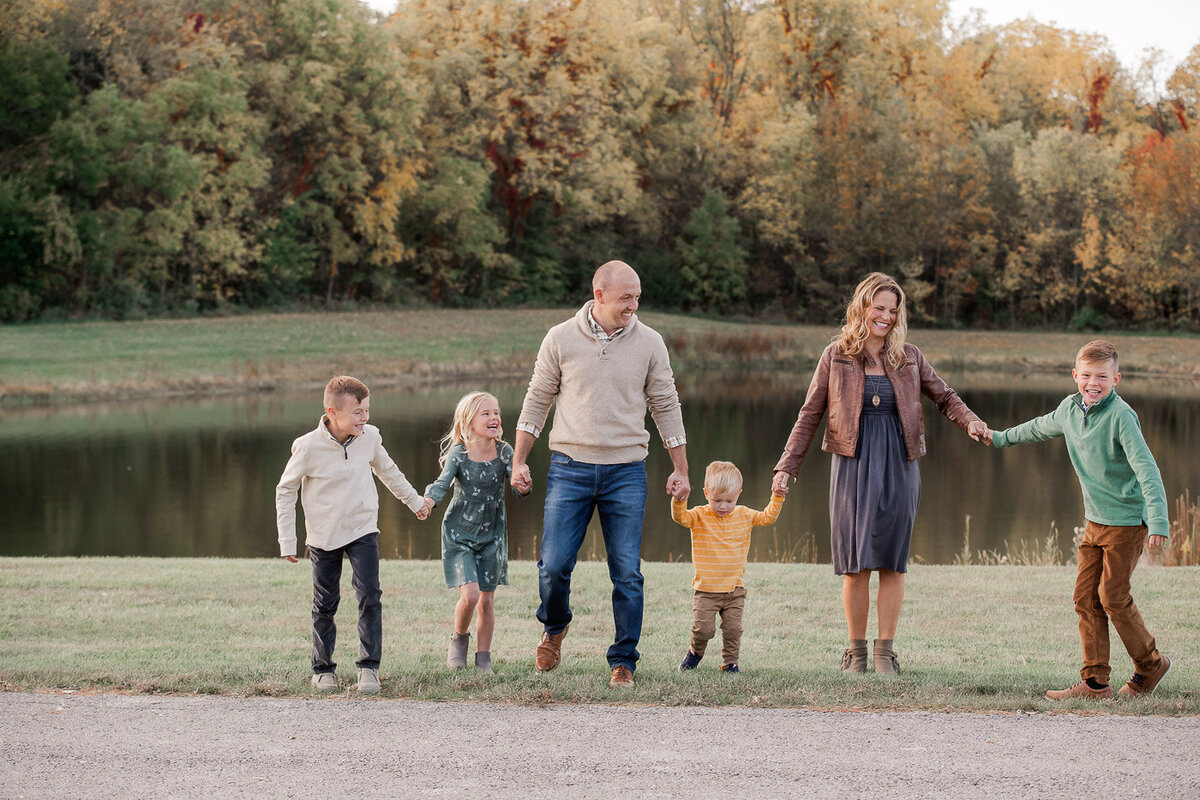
point(460, 429)
point(854, 335)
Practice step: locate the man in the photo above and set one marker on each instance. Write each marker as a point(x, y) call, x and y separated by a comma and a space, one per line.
point(605, 369)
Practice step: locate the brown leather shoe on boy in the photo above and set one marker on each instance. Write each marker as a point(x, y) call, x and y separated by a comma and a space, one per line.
point(1080, 689)
point(549, 650)
point(621, 678)
point(1144, 684)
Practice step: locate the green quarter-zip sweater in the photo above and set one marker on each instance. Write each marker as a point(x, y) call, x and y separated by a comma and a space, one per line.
point(1117, 472)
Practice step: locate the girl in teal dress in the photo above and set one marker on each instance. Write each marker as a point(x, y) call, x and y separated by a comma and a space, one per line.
point(478, 463)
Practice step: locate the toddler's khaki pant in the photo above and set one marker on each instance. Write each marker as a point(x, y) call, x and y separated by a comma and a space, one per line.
point(705, 607)
point(1107, 556)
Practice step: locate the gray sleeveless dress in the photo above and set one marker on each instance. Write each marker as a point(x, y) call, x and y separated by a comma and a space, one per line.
point(873, 496)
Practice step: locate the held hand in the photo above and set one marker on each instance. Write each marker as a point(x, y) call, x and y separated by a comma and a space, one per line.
point(291, 559)
point(1157, 541)
point(425, 509)
point(979, 432)
point(779, 485)
point(678, 485)
point(522, 480)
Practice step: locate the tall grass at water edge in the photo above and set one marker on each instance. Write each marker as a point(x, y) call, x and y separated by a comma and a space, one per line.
point(971, 638)
point(1180, 550)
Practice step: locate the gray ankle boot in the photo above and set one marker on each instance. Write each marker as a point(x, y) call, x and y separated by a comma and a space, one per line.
point(483, 662)
point(885, 658)
point(854, 657)
point(456, 657)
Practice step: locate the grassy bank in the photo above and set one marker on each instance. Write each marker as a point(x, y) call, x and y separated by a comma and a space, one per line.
point(972, 638)
point(98, 360)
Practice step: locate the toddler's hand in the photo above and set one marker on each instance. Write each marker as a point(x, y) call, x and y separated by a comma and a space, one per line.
point(425, 509)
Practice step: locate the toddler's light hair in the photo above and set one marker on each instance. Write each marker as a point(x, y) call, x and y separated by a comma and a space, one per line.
point(1097, 352)
point(341, 385)
point(722, 476)
point(460, 429)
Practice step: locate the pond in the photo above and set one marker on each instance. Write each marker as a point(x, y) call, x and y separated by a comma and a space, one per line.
point(197, 477)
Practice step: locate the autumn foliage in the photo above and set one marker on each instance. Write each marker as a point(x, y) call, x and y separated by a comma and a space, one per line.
point(163, 156)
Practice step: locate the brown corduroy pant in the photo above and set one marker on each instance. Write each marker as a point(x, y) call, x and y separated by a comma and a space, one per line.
point(1107, 556)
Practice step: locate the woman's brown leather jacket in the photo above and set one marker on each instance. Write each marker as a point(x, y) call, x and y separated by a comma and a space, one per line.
point(837, 387)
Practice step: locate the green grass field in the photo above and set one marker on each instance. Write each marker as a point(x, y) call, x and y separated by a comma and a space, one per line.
point(97, 360)
point(971, 639)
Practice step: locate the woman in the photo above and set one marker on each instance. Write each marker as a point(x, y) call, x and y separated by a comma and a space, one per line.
point(870, 381)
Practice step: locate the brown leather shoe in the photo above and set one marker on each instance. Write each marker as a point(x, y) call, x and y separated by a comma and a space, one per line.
point(1080, 689)
point(549, 650)
point(621, 678)
point(1144, 684)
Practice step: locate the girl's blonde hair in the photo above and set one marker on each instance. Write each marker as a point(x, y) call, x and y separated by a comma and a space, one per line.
point(854, 335)
point(460, 429)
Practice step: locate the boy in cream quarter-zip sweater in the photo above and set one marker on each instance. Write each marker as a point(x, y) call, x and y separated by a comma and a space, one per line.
point(720, 543)
point(1123, 499)
point(333, 468)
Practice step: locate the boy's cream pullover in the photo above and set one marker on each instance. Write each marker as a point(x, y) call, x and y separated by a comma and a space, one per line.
point(603, 391)
point(720, 544)
point(336, 488)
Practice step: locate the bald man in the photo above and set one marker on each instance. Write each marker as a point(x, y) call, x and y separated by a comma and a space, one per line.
point(604, 369)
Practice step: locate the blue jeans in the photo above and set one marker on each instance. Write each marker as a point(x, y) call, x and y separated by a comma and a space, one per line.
point(327, 593)
point(618, 492)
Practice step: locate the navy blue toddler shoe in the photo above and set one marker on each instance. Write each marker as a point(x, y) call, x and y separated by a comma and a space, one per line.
point(690, 661)
point(732, 668)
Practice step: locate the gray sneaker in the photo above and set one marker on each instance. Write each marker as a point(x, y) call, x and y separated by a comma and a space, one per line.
point(368, 680)
point(325, 681)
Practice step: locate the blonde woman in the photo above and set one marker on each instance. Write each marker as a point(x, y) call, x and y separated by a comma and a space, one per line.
point(478, 463)
point(869, 382)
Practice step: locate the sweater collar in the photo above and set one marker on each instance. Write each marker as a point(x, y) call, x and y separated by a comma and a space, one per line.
point(323, 427)
point(592, 328)
point(1102, 403)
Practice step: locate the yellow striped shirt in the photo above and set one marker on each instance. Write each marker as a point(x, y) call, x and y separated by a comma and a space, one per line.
point(720, 544)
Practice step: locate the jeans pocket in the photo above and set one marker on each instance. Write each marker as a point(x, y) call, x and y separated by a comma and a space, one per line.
point(559, 459)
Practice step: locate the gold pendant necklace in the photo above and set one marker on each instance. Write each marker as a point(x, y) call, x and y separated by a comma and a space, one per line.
point(875, 387)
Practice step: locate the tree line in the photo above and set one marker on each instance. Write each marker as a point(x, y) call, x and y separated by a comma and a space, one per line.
point(750, 157)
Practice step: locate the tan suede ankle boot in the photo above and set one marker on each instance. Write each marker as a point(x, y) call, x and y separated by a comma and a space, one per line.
point(854, 657)
point(886, 662)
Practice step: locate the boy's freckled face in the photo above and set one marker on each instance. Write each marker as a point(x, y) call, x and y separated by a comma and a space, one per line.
point(722, 503)
point(1095, 381)
point(349, 417)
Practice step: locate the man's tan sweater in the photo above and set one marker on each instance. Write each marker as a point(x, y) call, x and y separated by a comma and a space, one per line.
point(603, 391)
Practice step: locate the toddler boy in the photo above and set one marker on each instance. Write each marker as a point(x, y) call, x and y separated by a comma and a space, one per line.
point(332, 468)
point(720, 543)
point(1123, 498)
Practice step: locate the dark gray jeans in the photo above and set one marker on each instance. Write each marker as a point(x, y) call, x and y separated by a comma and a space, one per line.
point(327, 578)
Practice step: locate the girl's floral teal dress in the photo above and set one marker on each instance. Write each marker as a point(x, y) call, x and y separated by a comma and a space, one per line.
point(474, 528)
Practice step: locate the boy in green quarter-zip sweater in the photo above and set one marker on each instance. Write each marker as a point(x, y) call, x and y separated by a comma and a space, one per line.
point(1123, 498)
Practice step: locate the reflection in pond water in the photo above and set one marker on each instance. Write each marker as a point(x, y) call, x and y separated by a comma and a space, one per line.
point(197, 478)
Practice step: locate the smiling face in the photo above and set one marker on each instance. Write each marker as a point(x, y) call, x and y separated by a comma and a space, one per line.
point(617, 295)
point(882, 313)
point(722, 502)
point(1095, 379)
point(348, 416)
point(486, 422)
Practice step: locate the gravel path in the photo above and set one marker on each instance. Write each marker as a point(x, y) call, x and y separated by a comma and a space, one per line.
point(115, 746)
